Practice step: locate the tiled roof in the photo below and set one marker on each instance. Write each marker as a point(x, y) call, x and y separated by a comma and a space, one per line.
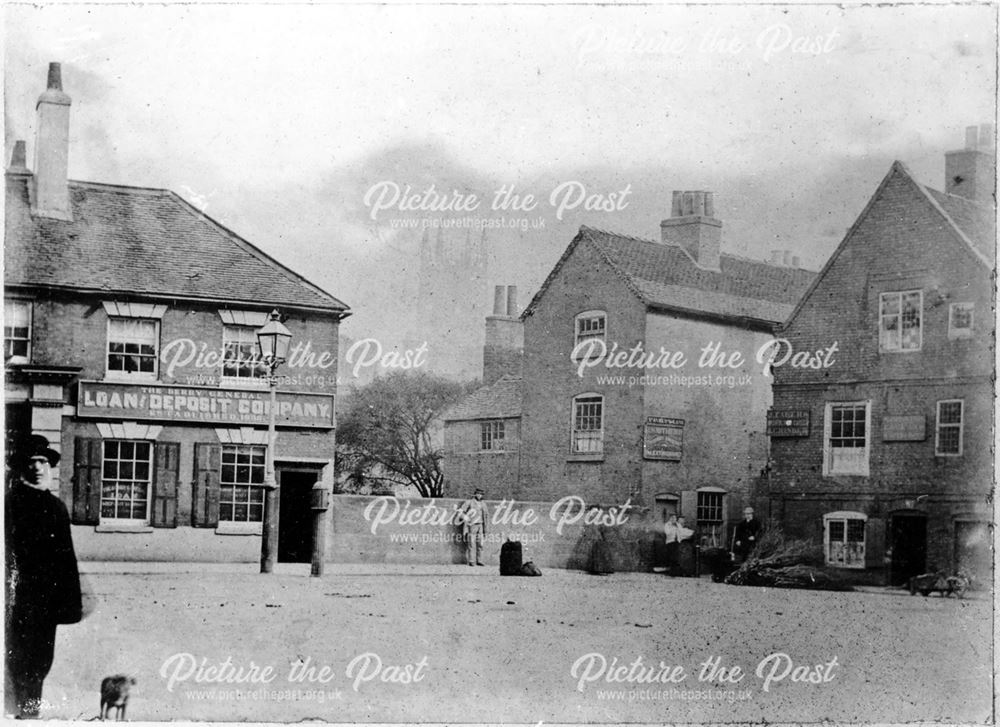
point(146, 241)
point(977, 221)
point(500, 400)
point(665, 276)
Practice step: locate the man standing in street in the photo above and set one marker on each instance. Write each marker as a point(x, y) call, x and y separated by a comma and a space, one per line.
point(42, 580)
point(474, 514)
point(745, 536)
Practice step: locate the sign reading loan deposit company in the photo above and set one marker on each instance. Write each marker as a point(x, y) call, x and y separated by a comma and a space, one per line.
point(201, 404)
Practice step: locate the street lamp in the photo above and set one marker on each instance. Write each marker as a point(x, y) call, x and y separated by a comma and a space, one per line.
point(272, 339)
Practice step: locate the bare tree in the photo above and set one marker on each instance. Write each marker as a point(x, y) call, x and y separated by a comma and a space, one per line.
point(390, 433)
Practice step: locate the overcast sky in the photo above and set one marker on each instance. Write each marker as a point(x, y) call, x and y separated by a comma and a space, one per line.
point(280, 119)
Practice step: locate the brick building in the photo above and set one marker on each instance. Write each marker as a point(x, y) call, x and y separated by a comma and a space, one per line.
point(129, 333)
point(885, 456)
point(687, 438)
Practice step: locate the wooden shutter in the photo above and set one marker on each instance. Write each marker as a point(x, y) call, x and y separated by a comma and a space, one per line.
point(207, 463)
point(167, 463)
point(86, 481)
point(875, 543)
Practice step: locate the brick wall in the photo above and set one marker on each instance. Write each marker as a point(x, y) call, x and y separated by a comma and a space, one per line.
point(901, 243)
point(467, 467)
point(548, 472)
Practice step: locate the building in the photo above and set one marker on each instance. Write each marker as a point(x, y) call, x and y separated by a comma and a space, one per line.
point(885, 456)
point(129, 333)
point(640, 376)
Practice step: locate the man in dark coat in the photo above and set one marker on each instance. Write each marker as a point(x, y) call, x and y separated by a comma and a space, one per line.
point(43, 583)
point(746, 535)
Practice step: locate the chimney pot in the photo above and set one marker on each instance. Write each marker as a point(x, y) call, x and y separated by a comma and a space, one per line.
point(19, 158)
point(676, 202)
point(512, 301)
point(55, 77)
point(786, 258)
point(499, 300)
point(795, 261)
point(987, 138)
point(777, 257)
point(971, 137)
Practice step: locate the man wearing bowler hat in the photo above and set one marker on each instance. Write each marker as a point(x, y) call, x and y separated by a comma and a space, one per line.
point(474, 514)
point(43, 583)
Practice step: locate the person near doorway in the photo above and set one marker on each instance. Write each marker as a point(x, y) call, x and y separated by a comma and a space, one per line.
point(745, 535)
point(42, 578)
point(474, 514)
point(686, 563)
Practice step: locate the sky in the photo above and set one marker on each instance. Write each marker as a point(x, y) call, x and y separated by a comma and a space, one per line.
point(279, 120)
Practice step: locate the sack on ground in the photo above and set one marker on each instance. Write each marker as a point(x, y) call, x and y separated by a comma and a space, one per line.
point(530, 569)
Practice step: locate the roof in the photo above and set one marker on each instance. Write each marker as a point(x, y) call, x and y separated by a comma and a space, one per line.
point(974, 224)
point(500, 400)
point(135, 240)
point(976, 221)
point(665, 276)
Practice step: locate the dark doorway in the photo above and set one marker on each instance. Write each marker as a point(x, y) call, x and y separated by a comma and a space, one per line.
point(295, 514)
point(908, 541)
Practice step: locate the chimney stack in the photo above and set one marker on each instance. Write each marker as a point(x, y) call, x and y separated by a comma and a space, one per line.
point(504, 344)
point(19, 159)
point(971, 172)
point(692, 226)
point(51, 197)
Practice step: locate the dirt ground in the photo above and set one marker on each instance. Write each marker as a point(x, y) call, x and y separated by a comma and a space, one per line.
point(459, 644)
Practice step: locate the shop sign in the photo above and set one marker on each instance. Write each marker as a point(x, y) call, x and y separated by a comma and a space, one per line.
point(663, 438)
point(202, 405)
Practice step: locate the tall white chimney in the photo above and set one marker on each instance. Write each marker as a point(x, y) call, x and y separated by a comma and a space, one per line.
point(52, 150)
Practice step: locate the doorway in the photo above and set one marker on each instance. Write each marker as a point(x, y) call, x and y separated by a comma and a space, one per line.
point(295, 514)
point(908, 543)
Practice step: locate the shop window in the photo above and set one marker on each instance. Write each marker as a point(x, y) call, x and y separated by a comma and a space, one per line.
point(241, 356)
point(960, 320)
point(16, 330)
point(126, 467)
point(491, 436)
point(133, 345)
point(844, 539)
point(241, 480)
point(588, 424)
point(901, 321)
point(950, 420)
point(589, 326)
point(846, 443)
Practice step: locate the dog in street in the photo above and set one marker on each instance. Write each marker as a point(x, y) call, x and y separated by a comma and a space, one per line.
point(114, 693)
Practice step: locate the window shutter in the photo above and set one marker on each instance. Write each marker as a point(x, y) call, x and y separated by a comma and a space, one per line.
point(207, 462)
point(875, 543)
point(167, 456)
point(86, 481)
point(689, 507)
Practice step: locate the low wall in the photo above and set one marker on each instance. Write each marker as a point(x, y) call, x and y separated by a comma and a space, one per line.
point(367, 529)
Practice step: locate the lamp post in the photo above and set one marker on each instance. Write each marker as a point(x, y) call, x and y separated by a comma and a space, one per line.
point(272, 339)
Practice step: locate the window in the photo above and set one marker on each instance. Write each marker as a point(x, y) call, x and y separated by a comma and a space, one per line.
point(900, 321)
point(590, 326)
point(709, 510)
point(708, 515)
point(242, 360)
point(16, 330)
point(125, 478)
point(948, 442)
point(132, 347)
point(241, 491)
point(844, 539)
point(588, 424)
point(491, 436)
point(960, 320)
point(846, 441)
